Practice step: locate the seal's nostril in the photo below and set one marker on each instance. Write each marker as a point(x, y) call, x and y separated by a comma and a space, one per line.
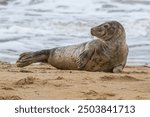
point(92, 31)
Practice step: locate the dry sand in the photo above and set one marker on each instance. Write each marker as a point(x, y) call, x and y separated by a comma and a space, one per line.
point(41, 81)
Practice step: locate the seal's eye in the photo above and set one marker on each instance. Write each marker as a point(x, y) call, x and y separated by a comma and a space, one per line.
point(106, 25)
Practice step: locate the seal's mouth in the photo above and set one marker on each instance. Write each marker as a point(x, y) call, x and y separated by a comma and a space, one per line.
point(94, 37)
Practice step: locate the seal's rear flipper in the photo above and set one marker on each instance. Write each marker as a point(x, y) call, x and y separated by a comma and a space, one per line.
point(84, 57)
point(118, 69)
point(28, 58)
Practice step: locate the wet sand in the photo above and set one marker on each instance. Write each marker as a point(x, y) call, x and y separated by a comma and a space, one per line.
point(42, 81)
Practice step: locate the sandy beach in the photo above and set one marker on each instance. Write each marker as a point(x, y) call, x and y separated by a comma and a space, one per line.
point(42, 81)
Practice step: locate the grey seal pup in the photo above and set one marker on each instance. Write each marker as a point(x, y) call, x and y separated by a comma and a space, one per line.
point(107, 53)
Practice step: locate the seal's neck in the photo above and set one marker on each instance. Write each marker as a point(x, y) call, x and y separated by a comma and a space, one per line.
point(119, 39)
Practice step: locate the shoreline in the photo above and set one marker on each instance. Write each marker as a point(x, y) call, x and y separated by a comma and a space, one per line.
point(42, 81)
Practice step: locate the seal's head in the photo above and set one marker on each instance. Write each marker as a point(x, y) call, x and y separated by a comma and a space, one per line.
point(108, 30)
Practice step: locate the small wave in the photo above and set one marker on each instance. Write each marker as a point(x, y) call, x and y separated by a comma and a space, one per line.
point(25, 2)
point(138, 45)
point(3, 2)
point(13, 39)
point(145, 2)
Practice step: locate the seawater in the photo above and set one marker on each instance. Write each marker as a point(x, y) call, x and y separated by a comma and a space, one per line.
point(31, 25)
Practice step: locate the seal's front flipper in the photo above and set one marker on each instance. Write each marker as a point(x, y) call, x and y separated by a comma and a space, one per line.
point(118, 69)
point(84, 57)
point(28, 58)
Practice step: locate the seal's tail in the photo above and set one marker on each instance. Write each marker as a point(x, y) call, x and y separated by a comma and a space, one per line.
point(28, 58)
